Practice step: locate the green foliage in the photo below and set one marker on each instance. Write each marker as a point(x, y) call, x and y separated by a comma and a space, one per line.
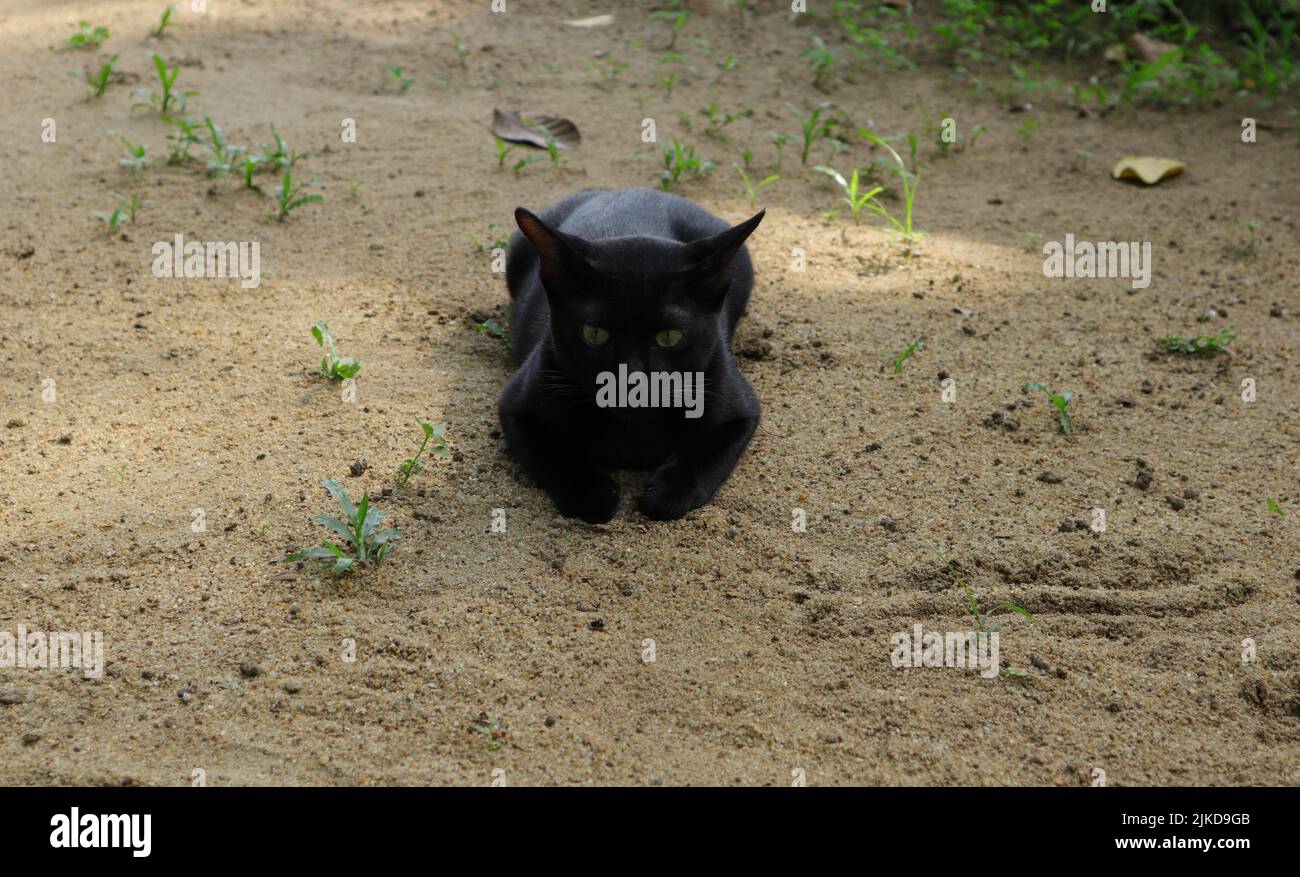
point(751, 188)
point(363, 543)
point(164, 20)
point(909, 180)
point(135, 159)
point(462, 51)
point(170, 100)
point(856, 196)
point(494, 330)
point(497, 238)
point(333, 366)
point(181, 140)
point(898, 359)
point(122, 213)
point(289, 196)
point(86, 37)
point(99, 81)
point(223, 155)
point(813, 128)
point(247, 168)
point(432, 432)
point(678, 158)
point(395, 76)
point(820, 58)
point(1060, 400)
point(279, 156)
point(1197, 344)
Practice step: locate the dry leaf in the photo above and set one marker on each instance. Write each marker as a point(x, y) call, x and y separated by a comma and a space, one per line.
point(536, 130)
point(594, 21)
point(1116, 52)
point(1146, 49)
point(1146, 168)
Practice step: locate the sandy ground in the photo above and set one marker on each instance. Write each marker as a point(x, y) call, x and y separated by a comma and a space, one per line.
point(526, 651)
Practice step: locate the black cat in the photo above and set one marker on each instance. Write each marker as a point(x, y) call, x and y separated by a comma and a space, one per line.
point(608, 283)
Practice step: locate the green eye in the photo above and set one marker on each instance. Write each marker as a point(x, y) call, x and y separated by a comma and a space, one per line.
point(669, 338)
point(594, 335)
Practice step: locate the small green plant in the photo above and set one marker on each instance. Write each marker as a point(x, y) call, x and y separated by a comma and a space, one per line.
point(224, 156)
point(86, 37)
point(354, 187)
point(898, 359)
point(751, 188)
point(820, 58)
point(180, 140)
point(462, 51)
point(669, 80)
point(279, 155)
point(1251, 246)
point(98, 82)
point(813, 128)
point(678, 19)
point(496, 331)
point(726, 65)
point(854, 195)
point(333, 366)
point(1274, 507)
point(1061, 400)
point(982, 622)
point(247, 169)
point(1197, 344)
point(553, 151)
point(503, 151)
point(678, 158)
point(1028, 128)
point(910, 180)
point(289, 196)
point(163, 21)
point(136, 157)
point(396, 77)
point(719, 120)
point(364, 544)
point(610, 70)
point(779, 143)
point(497, 238)
point(170, 100)
point(123, 212)
point(489, 732)
point(432, 431)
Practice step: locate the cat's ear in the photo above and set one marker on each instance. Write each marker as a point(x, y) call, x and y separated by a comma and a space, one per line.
point(711, 258)
point(561, 256)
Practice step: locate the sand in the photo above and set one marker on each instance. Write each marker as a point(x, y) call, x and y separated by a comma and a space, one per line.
point(724, 648)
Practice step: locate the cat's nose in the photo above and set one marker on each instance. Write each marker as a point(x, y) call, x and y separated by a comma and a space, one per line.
point(634, 362)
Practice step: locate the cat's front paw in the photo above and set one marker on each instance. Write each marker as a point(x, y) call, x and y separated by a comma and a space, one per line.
point(590, 496)
point(670, 492)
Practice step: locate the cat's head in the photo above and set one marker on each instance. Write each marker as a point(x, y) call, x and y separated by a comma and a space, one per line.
point(650, 303)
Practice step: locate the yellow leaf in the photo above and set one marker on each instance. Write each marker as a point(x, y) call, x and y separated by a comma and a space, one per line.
point(1146, 168)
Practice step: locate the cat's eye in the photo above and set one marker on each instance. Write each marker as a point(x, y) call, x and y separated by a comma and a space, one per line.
point(668, 337)
point(594, 335)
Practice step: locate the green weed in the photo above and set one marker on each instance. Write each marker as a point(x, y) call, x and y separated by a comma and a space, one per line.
point(86, 37)
point(364, 544)
point(1197, 344)
point(1060, 400)
point(98, 82)
point(432, 431)
point(751, 188)
point(289, 196)
point(333, 366)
